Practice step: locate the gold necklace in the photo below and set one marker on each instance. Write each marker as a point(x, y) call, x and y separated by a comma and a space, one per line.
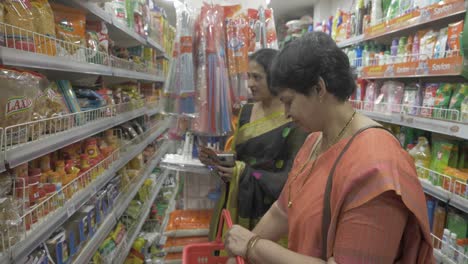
point(313, 155)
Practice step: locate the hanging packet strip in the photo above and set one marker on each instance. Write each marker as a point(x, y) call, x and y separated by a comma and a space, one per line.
point(185, 80)
point(214, 99)
point(237, 34)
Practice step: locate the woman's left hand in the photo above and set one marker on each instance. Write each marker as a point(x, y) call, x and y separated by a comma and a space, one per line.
point(236, 241)
point(225, 172)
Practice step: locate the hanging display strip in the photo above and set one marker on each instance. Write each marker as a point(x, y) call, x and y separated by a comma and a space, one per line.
point(451, 66)
point(54, 133)
point(416, 17)
point(40, 231)
point(122, 202)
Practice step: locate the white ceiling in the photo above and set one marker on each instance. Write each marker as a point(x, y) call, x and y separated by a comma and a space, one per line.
point(292, 9)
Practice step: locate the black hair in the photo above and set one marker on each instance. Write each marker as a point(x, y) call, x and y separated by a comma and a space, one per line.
point(264, 57)
point(302, 62)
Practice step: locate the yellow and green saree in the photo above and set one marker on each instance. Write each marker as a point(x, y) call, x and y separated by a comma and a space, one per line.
point(265, 151)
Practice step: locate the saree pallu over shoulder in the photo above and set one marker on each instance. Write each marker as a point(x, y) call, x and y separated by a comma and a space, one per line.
point(373, 166)
point(370, 169)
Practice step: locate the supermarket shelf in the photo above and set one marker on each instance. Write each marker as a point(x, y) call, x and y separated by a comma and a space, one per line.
point(103, 231)
point(430, 68)
point(156, 45)
point(350, 41)
point(19, 58)
point(454, 129)
point(434, 14)
point(137, 75)
point(86, 253)
point(154, 110)
point(142, 220)
point(121, 207)
point(94, 9)
point(29, 151)
point(435, 191)
point(444, 195)
point(119, 25)
point(42, 232)
point(186, 168)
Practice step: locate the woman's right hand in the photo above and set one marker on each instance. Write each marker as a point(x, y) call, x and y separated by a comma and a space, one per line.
point(231, 261)
point(207, 156)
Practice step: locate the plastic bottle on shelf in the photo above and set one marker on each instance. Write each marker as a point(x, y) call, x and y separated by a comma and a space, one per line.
point(408, 49)
point(365, 55)
point(452, 246)
point(445, 242)
point(394, 50)
point(415, 48)
point(460, 258)
point(402, 49)
point(422, 156)
point(376, 12)
point(358, 62)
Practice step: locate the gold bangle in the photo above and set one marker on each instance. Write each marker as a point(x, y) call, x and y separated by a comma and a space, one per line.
point(250, 246)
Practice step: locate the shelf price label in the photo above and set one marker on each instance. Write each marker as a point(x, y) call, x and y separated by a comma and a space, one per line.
point(450, 7)
point(445, 66)
point(70, 209)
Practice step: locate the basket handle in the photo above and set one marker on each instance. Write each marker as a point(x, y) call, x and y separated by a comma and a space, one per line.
point(226, 219)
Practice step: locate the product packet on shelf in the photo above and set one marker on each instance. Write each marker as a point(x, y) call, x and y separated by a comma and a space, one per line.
point(70, 26)
point(97, 42)
point(459, 95)
point(58, 247)
point(453, 40)
point(371, 95)
point(19, 92)
point(442, 100)
point(411, 99)
point(19, 20)
point(44, 24)
point(430, 91)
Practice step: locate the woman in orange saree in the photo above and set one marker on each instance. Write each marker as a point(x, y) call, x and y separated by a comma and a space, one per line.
point(377, 211)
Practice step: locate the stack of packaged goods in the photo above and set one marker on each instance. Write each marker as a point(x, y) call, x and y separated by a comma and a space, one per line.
point(58, 30)
point(443, 162)
point(421, 46)
point(450, 226)
point(445, 101)
point(347, 24)
point(67, 241)
point(184, 227)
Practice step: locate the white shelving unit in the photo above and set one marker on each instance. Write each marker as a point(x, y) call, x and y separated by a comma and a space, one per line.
point(454, 129)
point(121, 205)
point(146, 210)
point(40, 232)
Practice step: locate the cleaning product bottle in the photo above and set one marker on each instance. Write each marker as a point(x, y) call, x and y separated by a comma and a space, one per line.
point(452, 246)
point(422, 156)
point(365, 55)
point(358, 62)
point(401, 49)
point(415, 49)
point(445, 242)
point(376, 12)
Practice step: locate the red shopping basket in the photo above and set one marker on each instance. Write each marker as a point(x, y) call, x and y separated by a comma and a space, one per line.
point(204, 253)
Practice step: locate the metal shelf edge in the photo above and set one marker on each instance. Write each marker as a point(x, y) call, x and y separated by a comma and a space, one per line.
point(459, 202)
point(123, 73)
point(93, 244)
point(131, 33)
point(20, 58)
point(350, 41)
point(455, 129)
point(95, 10)
point(26, 246)
point(30, 151)
point(155, 45)
point(435, 191)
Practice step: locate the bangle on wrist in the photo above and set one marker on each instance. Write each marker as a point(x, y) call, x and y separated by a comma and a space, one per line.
point(250, 246)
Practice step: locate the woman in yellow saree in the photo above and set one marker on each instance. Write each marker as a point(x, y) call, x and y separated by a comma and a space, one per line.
point(265, 143)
